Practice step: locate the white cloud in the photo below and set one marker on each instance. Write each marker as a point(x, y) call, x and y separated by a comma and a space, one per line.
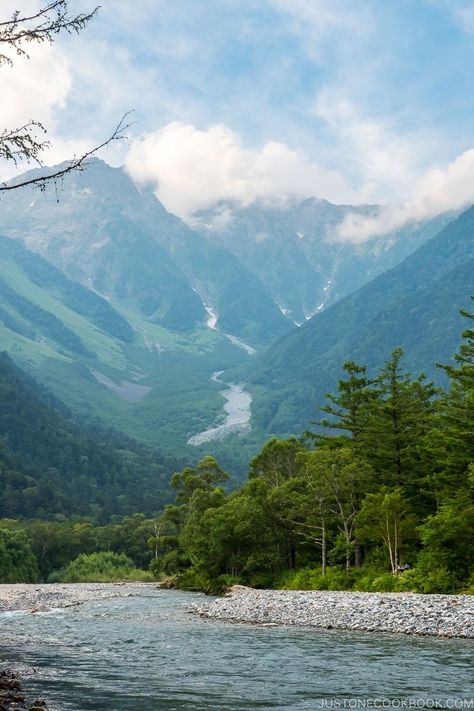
point(34, 88)
point(193, 169)
point(315, 19)
point(386, 159)
point(465, 17)
point(439, 191)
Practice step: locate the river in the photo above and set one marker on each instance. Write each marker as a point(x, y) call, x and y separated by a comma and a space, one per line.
point(237, 409)
point(146, 653)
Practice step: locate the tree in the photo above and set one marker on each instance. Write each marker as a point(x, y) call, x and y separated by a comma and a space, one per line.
point(17, 560)
point(456, 422)
point(447, 536)
point(312, 512)
point(348, 408)
point(26, 143)
point(337, 480)
point(397, 420)
point(276, 465)
point(385, 516)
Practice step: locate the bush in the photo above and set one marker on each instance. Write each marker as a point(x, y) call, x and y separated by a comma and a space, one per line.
point(103, 567)
point(336, 578)
point(17, 560)
point(422, 580)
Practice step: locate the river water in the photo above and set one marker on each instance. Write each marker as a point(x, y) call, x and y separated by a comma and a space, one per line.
point(146, 653)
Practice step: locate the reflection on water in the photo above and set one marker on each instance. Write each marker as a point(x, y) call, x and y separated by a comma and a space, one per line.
point(145, 653)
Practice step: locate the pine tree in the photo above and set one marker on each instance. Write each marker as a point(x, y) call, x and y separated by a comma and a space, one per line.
point(456, 423)
point(397, 421)
point(347, 409)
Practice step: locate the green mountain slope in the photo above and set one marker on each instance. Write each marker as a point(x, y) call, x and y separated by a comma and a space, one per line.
point(107, 360)
point(50, 467)
point(415, 305)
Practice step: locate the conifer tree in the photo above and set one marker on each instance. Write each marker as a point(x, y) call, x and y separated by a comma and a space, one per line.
point(347, 409)
point(397, 420)
point(456, 424)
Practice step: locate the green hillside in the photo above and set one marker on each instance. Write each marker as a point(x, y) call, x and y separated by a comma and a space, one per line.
point(107, 360)
point(414, 305)
point(50, 467)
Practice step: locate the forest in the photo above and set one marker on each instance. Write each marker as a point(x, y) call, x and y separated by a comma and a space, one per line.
point(378, 494)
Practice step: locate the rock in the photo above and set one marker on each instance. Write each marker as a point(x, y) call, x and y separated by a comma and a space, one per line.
point(405, 613)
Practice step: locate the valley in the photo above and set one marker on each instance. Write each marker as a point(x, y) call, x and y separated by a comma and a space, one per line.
point(125, 312)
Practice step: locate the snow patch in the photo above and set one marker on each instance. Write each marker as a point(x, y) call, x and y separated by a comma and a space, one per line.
point(213, 318)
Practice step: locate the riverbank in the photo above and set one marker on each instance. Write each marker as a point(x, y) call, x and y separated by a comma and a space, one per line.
point(12, 696)
point(406, 613)
point(44, 597)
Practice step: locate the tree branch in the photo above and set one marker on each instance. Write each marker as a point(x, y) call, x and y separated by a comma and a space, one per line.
point(75, 164)
point(40, 27)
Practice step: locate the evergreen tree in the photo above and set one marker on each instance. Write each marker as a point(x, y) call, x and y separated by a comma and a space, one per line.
point(347, 409)
point(397, 420)
point(456, 421)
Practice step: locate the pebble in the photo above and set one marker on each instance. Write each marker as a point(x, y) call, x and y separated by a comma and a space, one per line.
point(403, 613)
point(43, 598)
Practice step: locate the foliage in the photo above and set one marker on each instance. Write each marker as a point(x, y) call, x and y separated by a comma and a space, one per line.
point(17, 561)
point(361, 510)
point(50, 467)
point(323, 513)
point(102, 567)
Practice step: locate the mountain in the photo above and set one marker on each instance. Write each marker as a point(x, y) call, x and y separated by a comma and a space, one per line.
point(293, 249)
point(127, 314)
point(14, 260)
point(51, 467)
point(105, 233)
point(106, 360)
point(414, 305)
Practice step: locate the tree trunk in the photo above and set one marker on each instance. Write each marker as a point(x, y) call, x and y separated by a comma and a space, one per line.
point(291, 555)
point(323, 549)
point(358, 554)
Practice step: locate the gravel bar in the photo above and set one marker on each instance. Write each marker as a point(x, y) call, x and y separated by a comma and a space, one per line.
point(41, 598)
point(405, 613)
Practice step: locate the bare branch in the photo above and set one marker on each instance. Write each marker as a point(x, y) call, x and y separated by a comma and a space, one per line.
point(22, 144)
point(76, 164)
point(40, 27)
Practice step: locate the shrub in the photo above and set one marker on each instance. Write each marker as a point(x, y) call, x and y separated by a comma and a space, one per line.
point(103, 567)
point(336, 578)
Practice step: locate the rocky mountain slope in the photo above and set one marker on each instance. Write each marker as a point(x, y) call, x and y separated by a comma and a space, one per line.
point(414, 305)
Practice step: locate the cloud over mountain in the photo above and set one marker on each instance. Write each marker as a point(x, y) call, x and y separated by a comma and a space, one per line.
point(440, 190)
point(192, 169)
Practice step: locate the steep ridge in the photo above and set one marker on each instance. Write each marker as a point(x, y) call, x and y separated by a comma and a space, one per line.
point(106, 360)
point(107, 234)
point(13, 256)
point(294, 250)
point(414, 305)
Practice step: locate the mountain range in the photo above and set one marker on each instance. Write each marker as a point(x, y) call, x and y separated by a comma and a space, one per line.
point(126, 313)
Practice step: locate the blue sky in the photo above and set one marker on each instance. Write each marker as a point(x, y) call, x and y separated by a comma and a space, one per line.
point(352, 100)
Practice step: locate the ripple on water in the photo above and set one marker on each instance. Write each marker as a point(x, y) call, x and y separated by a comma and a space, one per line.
point(147, 653)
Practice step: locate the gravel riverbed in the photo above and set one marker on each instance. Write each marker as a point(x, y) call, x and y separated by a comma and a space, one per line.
point(41, 598)
point(407, 613)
